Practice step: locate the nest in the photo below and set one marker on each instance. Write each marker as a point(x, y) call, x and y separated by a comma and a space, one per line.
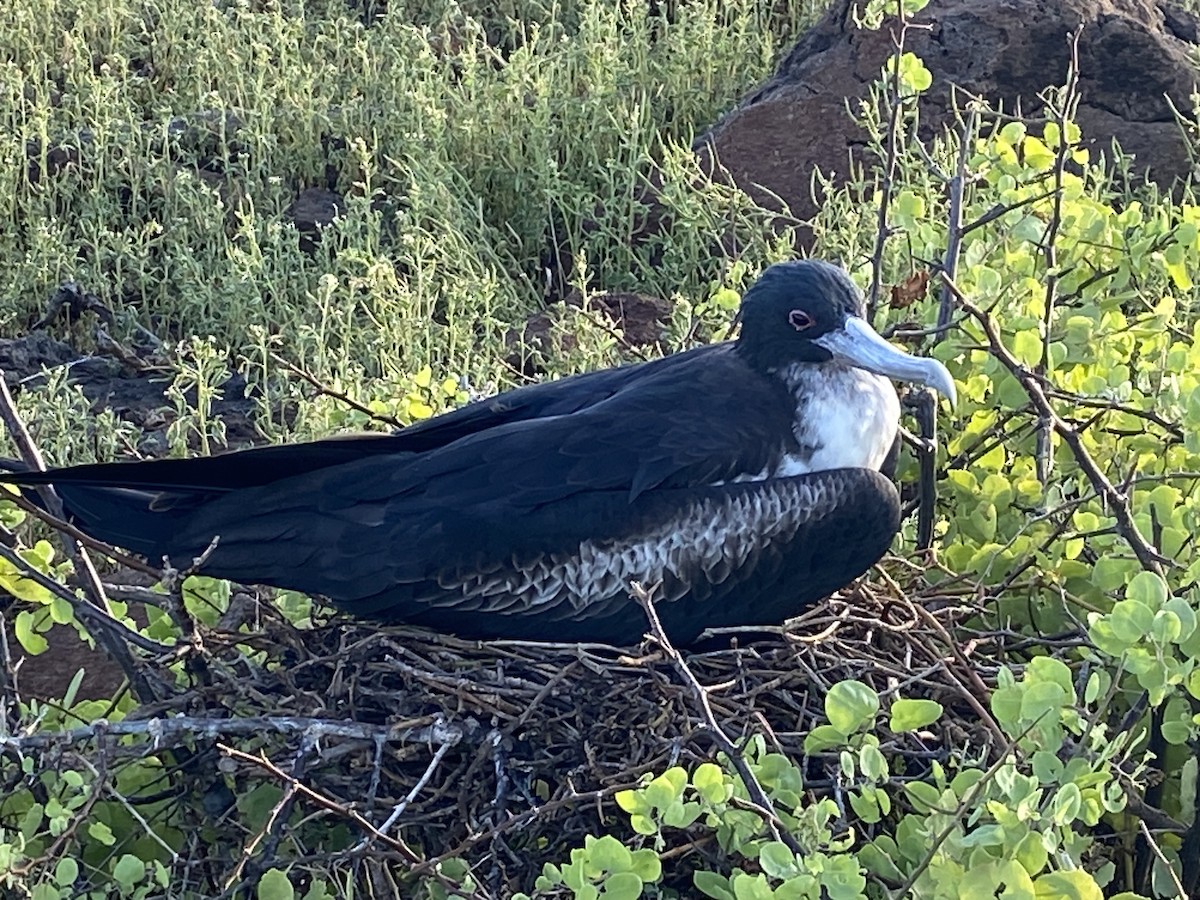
point(394, 750)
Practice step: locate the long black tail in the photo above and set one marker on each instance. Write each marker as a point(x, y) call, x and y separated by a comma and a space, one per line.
point(142, 505)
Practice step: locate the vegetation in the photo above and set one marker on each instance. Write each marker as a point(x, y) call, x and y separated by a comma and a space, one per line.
point(1047, 752)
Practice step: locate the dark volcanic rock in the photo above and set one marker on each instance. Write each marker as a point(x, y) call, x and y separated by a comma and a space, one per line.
point(641, 319)
point(1133, 56)
point(312, 210)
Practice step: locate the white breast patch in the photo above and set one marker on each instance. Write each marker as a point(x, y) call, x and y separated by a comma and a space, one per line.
point(845, 418)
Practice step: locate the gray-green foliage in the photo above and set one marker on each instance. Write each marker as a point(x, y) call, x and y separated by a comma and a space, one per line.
point(152, 150)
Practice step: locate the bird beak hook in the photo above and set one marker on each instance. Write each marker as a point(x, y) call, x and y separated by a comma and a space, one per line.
point(858, 344)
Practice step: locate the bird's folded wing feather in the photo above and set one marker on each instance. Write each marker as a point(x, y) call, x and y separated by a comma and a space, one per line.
point(524, 487)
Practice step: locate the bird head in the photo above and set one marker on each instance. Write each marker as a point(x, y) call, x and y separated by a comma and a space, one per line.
point(810, 311)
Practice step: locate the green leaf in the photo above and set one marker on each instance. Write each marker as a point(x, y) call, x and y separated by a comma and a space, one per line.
point(1149, 589)
point(1130, 620)
point(274, 885)
point(622, 886)
point(666, 788)
point(777, 860)
point(851, 705)
point(924, 797)
point(986, 880)
point(1065, 806)
point(33, 643)
point(128, 871)
point(751, 887)
point(1006, 705)
point(680, 814)
point(100, 832)
point(66, 872)
point(1027, 346)
point(909, 205)
point(646, 865)
point(713, 885)
point(1052, 671)
point(610, 854)
point(1037, 154)
point(1044, 698)
point(826, 737)
point(1047, 766)
point(632, 801)
point(909, 715)
point(1031, 853)
point(1074, 885)
point(1110, 573)
point(1098, 684)
point(709, 782)
point(642, 824)
point(872, 763)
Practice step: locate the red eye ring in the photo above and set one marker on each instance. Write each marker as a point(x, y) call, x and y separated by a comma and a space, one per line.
point(800, 320)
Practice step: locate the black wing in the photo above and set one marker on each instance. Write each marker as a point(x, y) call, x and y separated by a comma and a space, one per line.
point(476, 478)
point(513, 488)
point(203, 477)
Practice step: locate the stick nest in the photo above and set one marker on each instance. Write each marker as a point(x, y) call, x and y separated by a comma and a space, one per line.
point(392, 750)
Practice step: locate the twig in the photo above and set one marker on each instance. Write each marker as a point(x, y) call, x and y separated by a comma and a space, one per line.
point(320, 799)
point(398, 810)
point(272, 829)
point(761, 802)
point(890, 163)
point(167, 732)
point(956, 186)
point(1063, 111)
point(129, 808)
point(105, 625)
point(336, 395)
point(1162, 858)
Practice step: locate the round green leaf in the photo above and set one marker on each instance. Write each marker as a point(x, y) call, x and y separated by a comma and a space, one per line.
point(646, 865)
point(777, 860)
point(1073, 885)
point(1049, 669)
point(610, 854)
point(713, 885)
point(129, 870)
point(632, 801)
point(1148, 588)
point(274, 885)
point(709, 781)
point(66, 871)
point(622, 886)
point(1043, 698)
point(642, 824)
point(1131, 620)
point(851, 705)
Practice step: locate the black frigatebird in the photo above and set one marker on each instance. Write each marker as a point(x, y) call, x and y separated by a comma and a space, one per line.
point(742, 477)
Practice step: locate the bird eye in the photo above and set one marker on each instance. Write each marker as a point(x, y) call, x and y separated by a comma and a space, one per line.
point(800, 320)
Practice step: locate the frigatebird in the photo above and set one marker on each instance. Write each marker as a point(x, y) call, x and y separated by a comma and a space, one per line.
point(742, 479)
